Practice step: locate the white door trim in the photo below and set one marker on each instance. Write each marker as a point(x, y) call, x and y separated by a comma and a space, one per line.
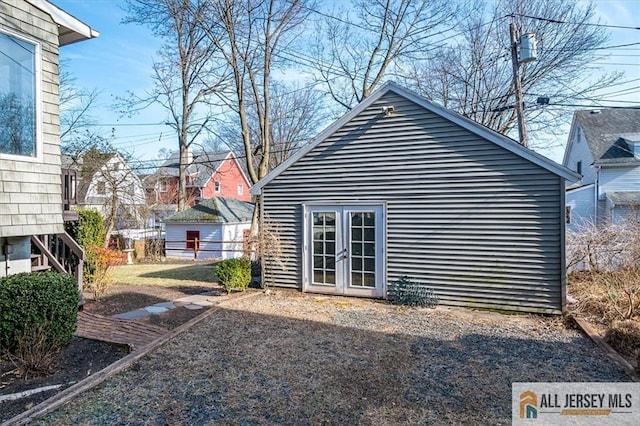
point(343, 265)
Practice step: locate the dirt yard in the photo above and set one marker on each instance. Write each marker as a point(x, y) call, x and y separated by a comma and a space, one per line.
point(291, 358)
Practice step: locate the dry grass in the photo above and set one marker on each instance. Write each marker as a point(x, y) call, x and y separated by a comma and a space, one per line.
point(611, 301)
point(607, 296)
point(624, 336)
point(166, 274)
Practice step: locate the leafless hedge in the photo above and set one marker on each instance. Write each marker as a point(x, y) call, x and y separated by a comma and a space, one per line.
point(609, 247)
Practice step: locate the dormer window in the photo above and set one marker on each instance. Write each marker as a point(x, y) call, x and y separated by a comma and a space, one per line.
point(19, 97)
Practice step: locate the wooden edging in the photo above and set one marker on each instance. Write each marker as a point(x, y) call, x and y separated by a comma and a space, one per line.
point(100, 376)
point(609, 351)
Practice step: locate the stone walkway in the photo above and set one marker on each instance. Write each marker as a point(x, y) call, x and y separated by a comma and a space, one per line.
point(121, 329)
point(197, 301)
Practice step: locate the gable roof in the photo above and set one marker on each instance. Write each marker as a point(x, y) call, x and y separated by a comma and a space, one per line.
point(70, 29)
point(464, 122)
point(202, 167)
point(608, 133)
point(215, 210)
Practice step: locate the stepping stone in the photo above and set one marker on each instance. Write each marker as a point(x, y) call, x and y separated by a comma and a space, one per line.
point(139, 313)
point(168, 305)
point(193, 307)
point(156, 309)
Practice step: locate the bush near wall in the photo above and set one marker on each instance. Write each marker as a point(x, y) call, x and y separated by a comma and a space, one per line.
point(30, 300)
point(234, 274)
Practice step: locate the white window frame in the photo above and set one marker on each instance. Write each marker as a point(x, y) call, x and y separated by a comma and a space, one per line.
point(38, 158)
point(216, 186)
point(163, 186)
point(240, 189)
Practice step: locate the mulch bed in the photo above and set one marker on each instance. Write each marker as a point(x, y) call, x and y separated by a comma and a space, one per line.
point(288, 358)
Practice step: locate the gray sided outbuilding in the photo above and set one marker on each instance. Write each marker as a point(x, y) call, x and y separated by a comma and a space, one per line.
point(401, 186)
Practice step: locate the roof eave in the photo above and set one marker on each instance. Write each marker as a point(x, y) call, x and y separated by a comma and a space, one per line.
point(70, 29)
point(454, 117)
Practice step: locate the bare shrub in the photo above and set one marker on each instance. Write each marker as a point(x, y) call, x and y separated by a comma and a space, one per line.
point(35, 354)
point(607, 296)
point(624, 336)
point(267, 246)
point(604, 247)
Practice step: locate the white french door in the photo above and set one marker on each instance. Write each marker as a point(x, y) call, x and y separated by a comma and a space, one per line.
point(344, 249)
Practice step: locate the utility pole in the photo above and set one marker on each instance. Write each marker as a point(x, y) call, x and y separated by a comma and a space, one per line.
point(519, 107)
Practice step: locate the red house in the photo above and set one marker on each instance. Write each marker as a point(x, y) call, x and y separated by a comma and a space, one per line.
point(209, 175)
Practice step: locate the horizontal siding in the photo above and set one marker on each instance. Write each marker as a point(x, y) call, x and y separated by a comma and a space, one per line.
point(34, 186)
point(479, 224)
point(619, 179)
point(176, 236)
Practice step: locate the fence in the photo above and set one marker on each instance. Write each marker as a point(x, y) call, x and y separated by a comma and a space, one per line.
point(199, 249)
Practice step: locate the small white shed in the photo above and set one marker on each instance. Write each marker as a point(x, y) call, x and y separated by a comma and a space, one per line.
point(213, 229)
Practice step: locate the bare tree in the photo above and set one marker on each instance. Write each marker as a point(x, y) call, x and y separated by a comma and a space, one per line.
point(250, 34)
point(357, 47)
point(473, 75)
point(297, 112)
point(186, 73)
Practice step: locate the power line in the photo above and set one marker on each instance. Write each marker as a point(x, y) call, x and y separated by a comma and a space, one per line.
point(559, 21)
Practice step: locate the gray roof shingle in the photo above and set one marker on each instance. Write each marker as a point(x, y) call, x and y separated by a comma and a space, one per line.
point(607, 132)
point(216, 210)
point(202, 167)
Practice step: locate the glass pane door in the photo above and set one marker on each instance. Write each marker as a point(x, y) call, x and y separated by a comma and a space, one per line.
point(324, 248)
point(363, 249)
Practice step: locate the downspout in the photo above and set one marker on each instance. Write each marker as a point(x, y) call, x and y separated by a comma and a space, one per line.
point(5, 252)
point(596, 196)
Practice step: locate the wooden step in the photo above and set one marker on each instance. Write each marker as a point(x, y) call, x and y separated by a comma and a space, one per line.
point(124, 332)
point(40, 268)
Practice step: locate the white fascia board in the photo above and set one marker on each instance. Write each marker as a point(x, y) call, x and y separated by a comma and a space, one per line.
point(70, 29)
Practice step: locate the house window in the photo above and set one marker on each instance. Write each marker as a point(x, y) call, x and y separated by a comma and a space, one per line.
point(162, 186)
point(193, 240)
point(240, 189)
point(101, 188)
point(567, 214)
point(579, 167)
point(216, 186)
point(19, 96)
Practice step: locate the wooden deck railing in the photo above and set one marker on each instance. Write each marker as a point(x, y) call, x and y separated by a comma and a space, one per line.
point(62, 252)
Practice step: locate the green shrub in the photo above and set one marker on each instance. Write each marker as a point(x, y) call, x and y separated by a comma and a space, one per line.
point(234, 274)
point(29, 300)
point(88, 230)
point(406, 292)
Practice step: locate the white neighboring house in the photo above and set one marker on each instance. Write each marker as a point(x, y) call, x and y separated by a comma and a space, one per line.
point(213, 229)
point(107, 184)
point(604, 147)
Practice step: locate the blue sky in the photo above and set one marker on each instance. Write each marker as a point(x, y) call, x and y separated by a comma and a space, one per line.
point(120, 60)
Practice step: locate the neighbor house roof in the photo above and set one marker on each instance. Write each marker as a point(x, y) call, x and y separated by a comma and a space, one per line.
point(627, 198)
point(202, 167)
point(70, 29)
point(464, 122)
point(215, 210)
point(608, 133)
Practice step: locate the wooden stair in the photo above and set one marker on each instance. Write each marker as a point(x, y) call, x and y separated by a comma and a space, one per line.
point(113, 330)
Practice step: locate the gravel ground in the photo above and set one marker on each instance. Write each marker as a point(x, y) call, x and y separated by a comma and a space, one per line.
point(290, 358)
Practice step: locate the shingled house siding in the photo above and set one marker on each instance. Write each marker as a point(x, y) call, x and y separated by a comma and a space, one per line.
point(31, 193)
point(480, 225)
